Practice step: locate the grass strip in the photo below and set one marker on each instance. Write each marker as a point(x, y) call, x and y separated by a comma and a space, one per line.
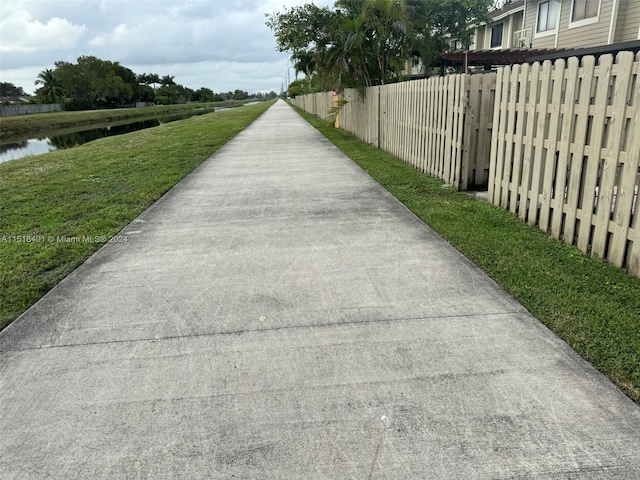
point(591, 305)
point(90, 193)
point(17, 126)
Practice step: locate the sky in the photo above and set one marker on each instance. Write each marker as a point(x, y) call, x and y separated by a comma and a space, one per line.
point(223, 45)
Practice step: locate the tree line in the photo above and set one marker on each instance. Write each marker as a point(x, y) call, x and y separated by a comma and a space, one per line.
point(361, 43)
point(92, 83)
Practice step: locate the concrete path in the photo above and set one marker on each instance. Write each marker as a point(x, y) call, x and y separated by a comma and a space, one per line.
point(278, 315)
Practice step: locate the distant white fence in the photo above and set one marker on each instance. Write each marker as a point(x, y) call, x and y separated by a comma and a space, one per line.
point(318, 104)
point(565, 148)
point(12, 110)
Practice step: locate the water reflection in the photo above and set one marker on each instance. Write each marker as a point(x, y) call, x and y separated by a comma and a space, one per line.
point(38, 146)
point(26, 148)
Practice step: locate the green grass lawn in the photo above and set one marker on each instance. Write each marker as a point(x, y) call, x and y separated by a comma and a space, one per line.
point(592, 306)
point(19, 127)
point(94, 191)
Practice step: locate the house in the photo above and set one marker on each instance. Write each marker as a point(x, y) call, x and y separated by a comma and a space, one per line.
point(502, 32)
point(15, 100)
point(581, 23)
point(529, 30)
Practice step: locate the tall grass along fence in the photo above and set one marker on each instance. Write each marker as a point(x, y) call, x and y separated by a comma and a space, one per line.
point(565, 148)
point(12, 110)
point(441, 126)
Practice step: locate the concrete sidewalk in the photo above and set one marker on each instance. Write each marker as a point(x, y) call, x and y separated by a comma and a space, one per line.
point(278, 315)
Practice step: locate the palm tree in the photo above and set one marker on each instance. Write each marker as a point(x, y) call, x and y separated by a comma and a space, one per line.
point(371, 44)
point(143, 79)
point(305, 63)
point(167, 81)
point(386, 22)
point(154, 79)
point(51, 91)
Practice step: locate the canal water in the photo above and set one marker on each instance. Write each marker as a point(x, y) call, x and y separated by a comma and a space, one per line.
point(38, 146)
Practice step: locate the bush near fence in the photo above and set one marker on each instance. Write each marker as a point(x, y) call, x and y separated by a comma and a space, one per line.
point(557, 143)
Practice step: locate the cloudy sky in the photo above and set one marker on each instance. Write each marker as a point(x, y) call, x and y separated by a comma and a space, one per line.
point(219, 44)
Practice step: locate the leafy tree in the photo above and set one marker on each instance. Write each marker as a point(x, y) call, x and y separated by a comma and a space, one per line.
point(94, 83)
point(239, 95)
point(368, 42)
point(185, 94)
point(297, 87)
point(166, 95)
point(8, 89)
point(307, 27)
point(144, 93)
point(433, 20)
point(203, 95)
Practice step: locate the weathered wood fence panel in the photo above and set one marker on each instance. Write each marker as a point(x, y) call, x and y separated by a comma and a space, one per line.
point(12, 110)
point(360, 115)
point(565, 150)
point(476, 144)
point(427, 134)
point(440, 125)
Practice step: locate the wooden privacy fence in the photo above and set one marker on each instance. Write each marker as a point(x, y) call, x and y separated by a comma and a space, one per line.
point(441, 125)
point(12, 110)
point(318, 104)
point(565, 148)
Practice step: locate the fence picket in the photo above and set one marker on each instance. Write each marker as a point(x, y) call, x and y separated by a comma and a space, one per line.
point(527, 142)
point(483, 133)
point(563, 146)
point(521, 92)
point(497, 138)
point(594, 154)
point(617, 120)
point(549, 163)
point(575, 191)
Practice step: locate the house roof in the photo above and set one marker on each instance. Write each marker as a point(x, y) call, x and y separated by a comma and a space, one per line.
point(633, 46)
point(506, 9)
point(510, 56)
point(505, 56)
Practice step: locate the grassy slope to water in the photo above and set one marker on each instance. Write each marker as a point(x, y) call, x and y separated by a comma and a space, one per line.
point(93, 190)
point(21, 125)
point(592, 306)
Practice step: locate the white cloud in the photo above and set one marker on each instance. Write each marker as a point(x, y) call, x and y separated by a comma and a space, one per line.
point(120, 35)
point(19, 32)
point(219, 44)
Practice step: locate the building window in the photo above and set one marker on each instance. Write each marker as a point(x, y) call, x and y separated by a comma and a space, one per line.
point(548, 13)
point(583, 9)
point(496, 35)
